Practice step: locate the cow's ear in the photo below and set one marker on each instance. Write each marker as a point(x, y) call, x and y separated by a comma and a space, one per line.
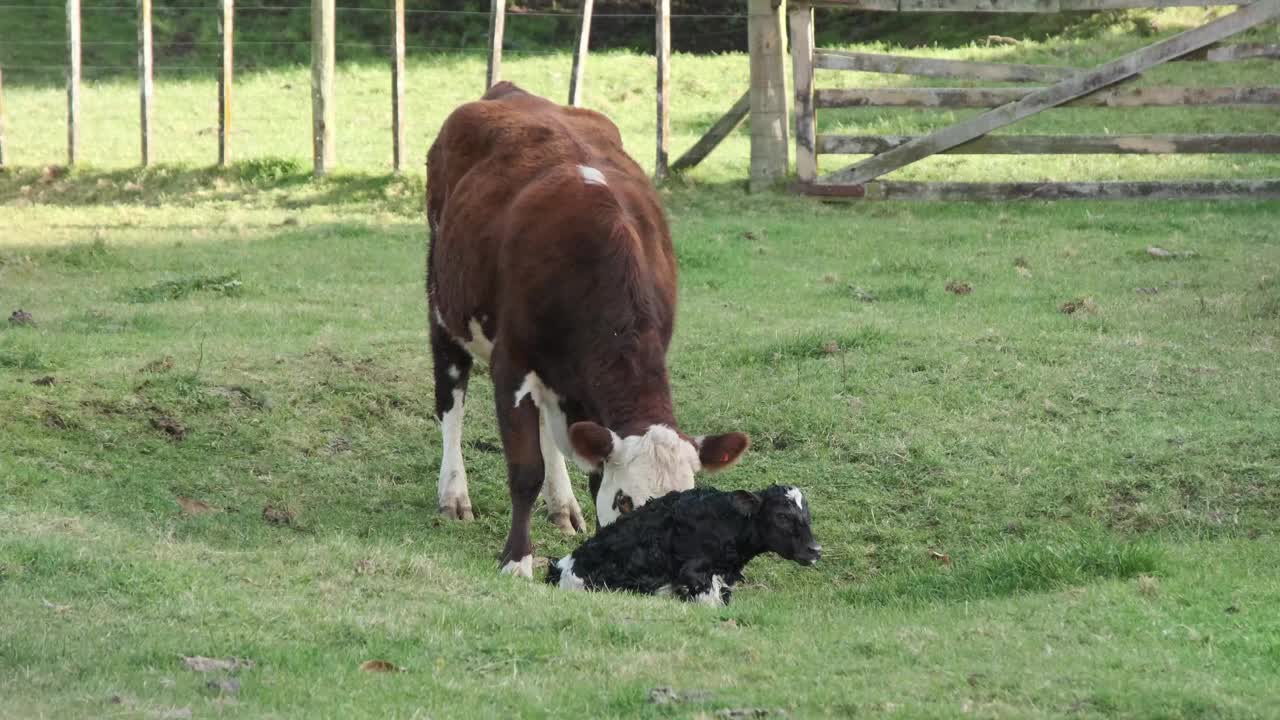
point(745, 502)
point(717, 452)
point(593, 443)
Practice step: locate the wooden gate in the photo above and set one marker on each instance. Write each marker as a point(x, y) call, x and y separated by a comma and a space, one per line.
point(1102, 86)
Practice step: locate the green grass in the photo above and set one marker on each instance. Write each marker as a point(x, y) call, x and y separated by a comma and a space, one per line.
point(1026, 513)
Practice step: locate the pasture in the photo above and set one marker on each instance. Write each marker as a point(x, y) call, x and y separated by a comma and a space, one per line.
point(1044, 464)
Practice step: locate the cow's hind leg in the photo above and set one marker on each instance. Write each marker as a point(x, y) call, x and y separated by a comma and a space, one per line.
point(452, 371)
point(518, 420)
point(562, 506)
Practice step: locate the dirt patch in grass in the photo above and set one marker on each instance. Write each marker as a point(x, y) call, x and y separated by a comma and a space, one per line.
point(170, 426)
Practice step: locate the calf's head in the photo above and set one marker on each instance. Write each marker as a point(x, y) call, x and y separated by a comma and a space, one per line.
point(638, 468)
point(781, 521)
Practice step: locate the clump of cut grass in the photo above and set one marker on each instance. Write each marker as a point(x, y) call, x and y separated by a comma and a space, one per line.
point(809, 346)
point(225, 285)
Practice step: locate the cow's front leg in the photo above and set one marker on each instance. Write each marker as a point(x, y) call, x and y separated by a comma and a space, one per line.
point(518, 421)
point(562, 507)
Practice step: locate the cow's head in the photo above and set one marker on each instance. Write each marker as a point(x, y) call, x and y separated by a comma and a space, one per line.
point(782, 522)
point(638, 468)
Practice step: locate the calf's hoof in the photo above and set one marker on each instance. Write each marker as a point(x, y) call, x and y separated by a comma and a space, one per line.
point(457, 509)
point(519, 568)
point(569, 520)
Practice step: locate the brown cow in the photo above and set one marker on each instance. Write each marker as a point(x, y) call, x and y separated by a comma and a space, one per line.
point(551, 260)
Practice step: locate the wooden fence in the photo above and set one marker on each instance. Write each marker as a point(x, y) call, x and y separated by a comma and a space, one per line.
point(767, 97)
point(1067, 87)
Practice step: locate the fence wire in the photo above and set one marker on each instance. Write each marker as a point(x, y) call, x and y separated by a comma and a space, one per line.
point(408, 11)
point(161, 67)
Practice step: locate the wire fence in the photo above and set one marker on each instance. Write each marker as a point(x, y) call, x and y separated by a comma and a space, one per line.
point(193, 40)
point(408, 11)
point(161, 66)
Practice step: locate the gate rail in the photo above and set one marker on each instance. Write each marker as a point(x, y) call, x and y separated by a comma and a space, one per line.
point(1102, 86)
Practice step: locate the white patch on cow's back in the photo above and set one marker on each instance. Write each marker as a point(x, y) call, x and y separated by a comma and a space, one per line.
point(480, 346)
point(592, 176)
point(796, 497)
point(519, 568)
point(568, 580)
point(646, 466)
point(712, 597)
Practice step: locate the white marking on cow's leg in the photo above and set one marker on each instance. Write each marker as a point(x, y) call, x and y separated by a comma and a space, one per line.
point(562, 507)
point(712, 596)
point(796, 497)
point(592, 176)
point(454, 373)
point(454, 502)
point(568, 580)
point(480, 346)
point(440, 319)
point(519, 568)
point(531, 387)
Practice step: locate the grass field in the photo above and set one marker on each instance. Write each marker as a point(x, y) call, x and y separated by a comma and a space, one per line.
point(1027, 512)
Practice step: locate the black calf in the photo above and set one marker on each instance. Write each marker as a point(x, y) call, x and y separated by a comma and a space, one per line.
point(692, 544)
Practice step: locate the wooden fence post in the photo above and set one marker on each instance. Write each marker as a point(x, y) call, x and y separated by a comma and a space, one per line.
point(2, 158)
point(322, 111)
point(663, 50)
point(769, 119)
point(580, 57)
point(497, 26)
point(73, 81)
point(145, 77)
point(397, 88)
point(802, 70)
point(227, 28)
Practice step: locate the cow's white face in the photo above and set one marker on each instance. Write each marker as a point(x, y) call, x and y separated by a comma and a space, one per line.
point(636, 469)
point(643, 467)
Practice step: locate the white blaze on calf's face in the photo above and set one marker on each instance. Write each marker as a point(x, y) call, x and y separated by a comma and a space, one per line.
point(796, 497)
point(646, 466)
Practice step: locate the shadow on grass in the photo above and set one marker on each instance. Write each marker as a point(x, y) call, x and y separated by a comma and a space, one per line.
point(1012, 569)
point(291, 185)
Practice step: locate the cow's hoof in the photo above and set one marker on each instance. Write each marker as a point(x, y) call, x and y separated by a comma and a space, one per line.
point(458, 509)
point(569, 520)
point(519, 568)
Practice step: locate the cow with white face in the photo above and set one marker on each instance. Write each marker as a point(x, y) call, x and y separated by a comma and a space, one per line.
point(551, 260)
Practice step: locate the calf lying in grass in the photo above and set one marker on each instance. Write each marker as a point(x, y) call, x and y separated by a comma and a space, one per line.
point(692, 544)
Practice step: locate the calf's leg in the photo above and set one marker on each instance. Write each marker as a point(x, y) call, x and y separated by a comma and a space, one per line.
point(452, 371)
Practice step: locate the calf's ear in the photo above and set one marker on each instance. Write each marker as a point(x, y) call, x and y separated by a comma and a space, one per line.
point(593, 443)
point(717, 452)
point(745, 502)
